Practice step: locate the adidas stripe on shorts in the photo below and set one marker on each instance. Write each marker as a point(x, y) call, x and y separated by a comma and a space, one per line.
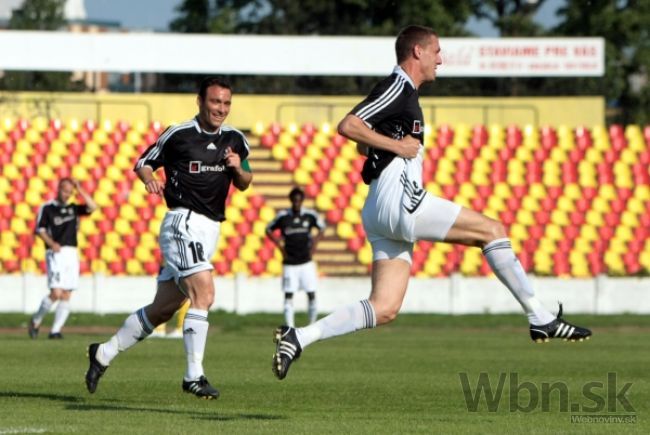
point(187, 242)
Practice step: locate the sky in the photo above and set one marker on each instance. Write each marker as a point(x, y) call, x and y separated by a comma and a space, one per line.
point(156, 14)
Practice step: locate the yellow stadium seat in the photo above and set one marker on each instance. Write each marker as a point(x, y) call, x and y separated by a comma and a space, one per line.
point(122, 162)
point(565, 204)
point(530, 203)
point(134, 267)
point(496, 203)
point(542, 263)
point(274, 267)
point(338, 177)
point(80, 173)
point(87, 161)
point(635, 205)
point(142, 254)
point(560, 217)
point(239, 200)
point(279, 152)
point(357, 201)
point(18, 226)
point(108, 254)
point(99, 266)
point(595, 218)
point(582, 245)
point(444, 177)
point(345, 230)
point(589, 232)
point(365, 256)
point(19, 159)
point(113, 240)
point(266, 214)
point(66, 136)
point(23, 211)
point(33, 198)
point(554, 232)
point(233, 214)
point(600, 204)
point(307, 164)
point(352, 215)
point(123, 226)
point(259, 229)
point(314, 153)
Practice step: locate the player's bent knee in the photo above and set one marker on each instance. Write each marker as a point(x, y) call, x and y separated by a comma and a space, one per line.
point(385, 316)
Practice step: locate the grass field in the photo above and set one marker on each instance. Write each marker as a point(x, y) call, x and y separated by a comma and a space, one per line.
point(403, 378)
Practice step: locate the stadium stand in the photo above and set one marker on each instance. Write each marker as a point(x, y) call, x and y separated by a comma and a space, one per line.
point(576, 201)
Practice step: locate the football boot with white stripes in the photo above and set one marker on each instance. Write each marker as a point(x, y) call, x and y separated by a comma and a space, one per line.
point(95, 369)
point(558, 328)
point(201, 388)
point(287, 349)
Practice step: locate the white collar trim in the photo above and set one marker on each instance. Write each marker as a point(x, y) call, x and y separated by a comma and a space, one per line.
point(400, 72)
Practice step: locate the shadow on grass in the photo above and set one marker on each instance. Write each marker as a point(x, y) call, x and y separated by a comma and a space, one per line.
point(48, 396)
point(193, 414)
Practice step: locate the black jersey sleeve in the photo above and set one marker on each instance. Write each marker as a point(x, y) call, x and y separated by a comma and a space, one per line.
point(276, 223)
point(43, 219)
point(384, 101)
point(154, 156)
point(82, 209)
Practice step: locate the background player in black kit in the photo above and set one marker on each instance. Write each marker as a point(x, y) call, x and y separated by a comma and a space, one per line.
point(57, 225)
point(201, 158)
point(298, 246)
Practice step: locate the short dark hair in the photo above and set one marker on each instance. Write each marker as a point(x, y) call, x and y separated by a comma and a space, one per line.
point(212, 81)
point(409, 37)
point(65, 180)
point(296, 191)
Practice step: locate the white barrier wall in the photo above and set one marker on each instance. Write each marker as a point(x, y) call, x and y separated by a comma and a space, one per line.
point(454, 295)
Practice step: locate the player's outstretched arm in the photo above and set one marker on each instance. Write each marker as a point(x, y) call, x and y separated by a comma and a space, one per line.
point(355, 128)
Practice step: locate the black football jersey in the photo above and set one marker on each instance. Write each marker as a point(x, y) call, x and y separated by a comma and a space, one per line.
point(195, 166)
point(61, 221)
point(296, 231)
point(392, 108)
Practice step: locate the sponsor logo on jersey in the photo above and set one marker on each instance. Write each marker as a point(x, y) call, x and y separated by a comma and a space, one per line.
point(417, 127)
point(196, 167)
point(59, 220)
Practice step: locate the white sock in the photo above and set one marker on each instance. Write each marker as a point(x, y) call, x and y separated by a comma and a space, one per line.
point(195, 334)
point(136, 328)
point(507, 268)
point(312, 313)
point(43, 309)
point(288, 312)
point(60, 316)
point(346, 319)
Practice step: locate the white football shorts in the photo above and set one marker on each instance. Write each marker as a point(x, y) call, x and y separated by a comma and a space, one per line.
point(398, 211)
point(299, 277)
point(187, 242)
point(62, 268)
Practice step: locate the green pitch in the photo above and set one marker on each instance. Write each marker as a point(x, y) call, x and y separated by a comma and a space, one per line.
point(404, 378)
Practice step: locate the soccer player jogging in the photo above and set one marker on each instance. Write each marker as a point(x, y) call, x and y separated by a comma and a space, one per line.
point(297, 246)
point(57, 225)
point(388, 126)
point(201, 158)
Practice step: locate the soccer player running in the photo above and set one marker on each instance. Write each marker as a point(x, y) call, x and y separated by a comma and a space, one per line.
point(201, 158)
point(388, 126)
point(57, 225)
point(298, 247)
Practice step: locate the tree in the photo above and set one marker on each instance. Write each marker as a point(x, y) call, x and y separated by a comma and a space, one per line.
point(37, 15)
point(625, 25)
point(315, 17)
